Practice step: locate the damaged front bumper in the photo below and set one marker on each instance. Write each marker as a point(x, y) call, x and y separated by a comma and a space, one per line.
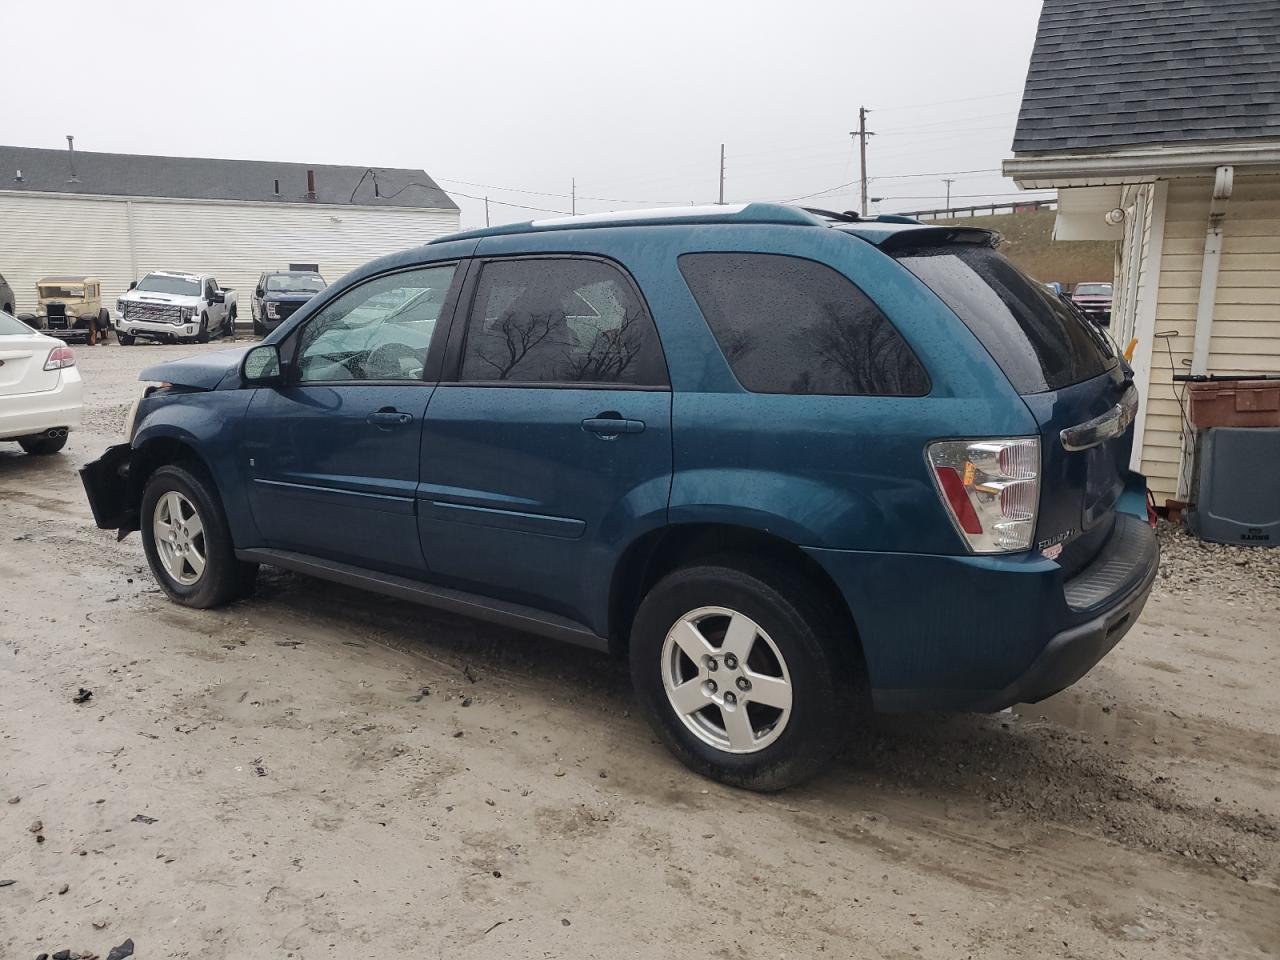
point(108, 486)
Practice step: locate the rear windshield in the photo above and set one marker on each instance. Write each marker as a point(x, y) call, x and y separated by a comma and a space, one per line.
point(1039, 342)
point(294, 283)
point(1093, 290)
point(12, 325)
point(180, 286)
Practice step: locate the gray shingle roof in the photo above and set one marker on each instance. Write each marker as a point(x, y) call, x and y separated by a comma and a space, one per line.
point(1108, 73)
point(191, 178)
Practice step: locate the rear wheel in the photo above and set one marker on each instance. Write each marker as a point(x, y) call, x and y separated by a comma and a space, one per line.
point(737, 666)
point(230, 330)
point(42, 446)
point(188, 542)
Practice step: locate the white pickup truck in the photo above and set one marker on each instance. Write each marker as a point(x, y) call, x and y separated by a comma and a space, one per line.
point(171, 306)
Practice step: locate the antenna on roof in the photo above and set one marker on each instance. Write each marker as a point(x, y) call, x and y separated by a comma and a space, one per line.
point(71, 159)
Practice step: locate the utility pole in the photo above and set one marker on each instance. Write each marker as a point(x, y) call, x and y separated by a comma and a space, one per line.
point(722, 173)
point(573, 196)
point(948, 181)
point(862, 133)
point(486, 211)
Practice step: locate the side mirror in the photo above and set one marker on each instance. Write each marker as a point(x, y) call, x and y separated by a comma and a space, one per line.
point(258, 292)
point(261, 366)
point(132, 284)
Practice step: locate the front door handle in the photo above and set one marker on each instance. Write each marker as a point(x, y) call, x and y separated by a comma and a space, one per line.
point(387, 417)
point(609, 427)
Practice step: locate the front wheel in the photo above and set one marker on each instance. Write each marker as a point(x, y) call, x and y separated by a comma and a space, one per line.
point(737, 667)
point(124, 339)
point(203, 335)
point(188, 542)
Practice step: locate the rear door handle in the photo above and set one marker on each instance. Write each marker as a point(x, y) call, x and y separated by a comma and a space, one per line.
point(389, 418)
point(612, 426)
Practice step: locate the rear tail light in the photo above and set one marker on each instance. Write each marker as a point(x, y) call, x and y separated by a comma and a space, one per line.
point(991, 489)
point(60, 357)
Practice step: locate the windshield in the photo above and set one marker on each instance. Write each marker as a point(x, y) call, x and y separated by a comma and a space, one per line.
point(1093, 290)
point(294, 283)
point(1040, 342)
point(12, 325)
point(180, 286)
point(62, 291)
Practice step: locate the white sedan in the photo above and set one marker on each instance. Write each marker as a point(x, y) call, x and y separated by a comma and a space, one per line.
point(39, 388)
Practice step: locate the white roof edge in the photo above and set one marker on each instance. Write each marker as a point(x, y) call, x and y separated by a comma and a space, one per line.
point(1031, 171)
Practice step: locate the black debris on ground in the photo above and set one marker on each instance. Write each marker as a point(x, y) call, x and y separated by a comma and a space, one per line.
point(83, 696)
point(143, 818)
point(124, 950)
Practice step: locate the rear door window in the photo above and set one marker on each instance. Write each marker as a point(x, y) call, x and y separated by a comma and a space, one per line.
point(790, 325)
point(560, 320)
point(1039, 342)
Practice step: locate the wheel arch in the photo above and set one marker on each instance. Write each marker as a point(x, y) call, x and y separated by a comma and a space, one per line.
point(655, 554)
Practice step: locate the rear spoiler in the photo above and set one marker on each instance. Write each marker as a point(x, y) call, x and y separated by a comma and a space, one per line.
point(937, 236)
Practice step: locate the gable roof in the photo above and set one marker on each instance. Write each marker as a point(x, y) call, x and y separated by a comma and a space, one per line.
point(193, 178)
point(1109, 73)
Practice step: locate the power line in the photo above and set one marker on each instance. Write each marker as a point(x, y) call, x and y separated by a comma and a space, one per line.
point(939, 173)
point(546, 193)
point(503, 203)
point(936, 103)
point(953, 120)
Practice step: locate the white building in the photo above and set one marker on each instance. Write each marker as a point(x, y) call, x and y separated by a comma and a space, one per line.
point(117, 216)
point(1169, 112)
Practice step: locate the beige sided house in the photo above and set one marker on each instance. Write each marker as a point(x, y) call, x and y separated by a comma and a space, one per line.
point(116, 216)
point(1158, 121)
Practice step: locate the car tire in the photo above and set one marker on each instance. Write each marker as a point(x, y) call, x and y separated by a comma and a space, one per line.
point(42, 446)
point(124, 339)
point(258, 329)
point(203, 335)
point(8, 308)
point(230, 330)
point(792, 695)
point(195, 563)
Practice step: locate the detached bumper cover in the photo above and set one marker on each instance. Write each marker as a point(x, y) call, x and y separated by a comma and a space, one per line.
point(107, 485)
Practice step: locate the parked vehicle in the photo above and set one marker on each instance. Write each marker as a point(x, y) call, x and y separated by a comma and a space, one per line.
point(279, 294)
point(169, 306)
point(39, 388)
point(6, 296)
point(1095, 300)
point(780, 461)
point(1054, 287)
point(70, 308)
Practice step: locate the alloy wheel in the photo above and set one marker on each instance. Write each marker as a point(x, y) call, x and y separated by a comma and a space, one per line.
point(726, 680)
point(179, 536)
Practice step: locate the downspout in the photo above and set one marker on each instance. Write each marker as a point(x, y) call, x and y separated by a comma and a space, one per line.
point(1222, 183)
point(133, 242)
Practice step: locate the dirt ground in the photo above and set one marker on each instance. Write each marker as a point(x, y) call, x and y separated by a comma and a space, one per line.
point(307, 797)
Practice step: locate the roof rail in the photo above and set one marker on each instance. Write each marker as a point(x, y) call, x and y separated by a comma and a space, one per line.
point(741, 213)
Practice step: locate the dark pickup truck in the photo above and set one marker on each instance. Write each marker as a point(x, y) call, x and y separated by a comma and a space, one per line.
point(279, 293)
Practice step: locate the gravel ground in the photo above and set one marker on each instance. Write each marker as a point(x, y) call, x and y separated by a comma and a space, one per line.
point(315, 772)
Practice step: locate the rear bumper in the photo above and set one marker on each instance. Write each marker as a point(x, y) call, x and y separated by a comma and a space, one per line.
point(30, 413)
point(982, 633)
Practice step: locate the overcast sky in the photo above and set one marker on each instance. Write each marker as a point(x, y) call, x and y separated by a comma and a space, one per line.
point(633, 100)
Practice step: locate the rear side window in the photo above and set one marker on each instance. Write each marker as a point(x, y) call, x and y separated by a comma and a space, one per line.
point(560, 320)
point(789, 325)
point(1039, 342)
